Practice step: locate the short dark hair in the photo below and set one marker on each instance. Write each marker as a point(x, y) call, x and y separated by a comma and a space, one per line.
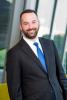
point(28, 11)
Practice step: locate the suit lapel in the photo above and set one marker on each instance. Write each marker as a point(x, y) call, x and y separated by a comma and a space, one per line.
point(31, 55)
point(47, 51)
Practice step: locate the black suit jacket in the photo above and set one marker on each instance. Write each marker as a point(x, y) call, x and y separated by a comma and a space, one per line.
point(26, 78)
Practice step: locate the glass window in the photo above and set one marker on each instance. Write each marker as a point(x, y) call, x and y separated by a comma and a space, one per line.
point(64, 61)
point(45, 9)
point(59, 28)
point(5, 12)
point(53, 20)
point(6, 7)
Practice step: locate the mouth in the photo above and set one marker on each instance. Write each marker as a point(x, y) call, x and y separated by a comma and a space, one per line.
point(31, 32)
point(33, 29)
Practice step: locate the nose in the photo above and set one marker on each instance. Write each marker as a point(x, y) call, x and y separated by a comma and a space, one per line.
point(30, 26)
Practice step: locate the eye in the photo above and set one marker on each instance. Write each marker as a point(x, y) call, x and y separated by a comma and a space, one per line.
point(25, 23)
point(34, 22)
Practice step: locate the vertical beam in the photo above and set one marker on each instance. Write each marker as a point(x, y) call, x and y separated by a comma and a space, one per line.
point(30, 4)
point(64, 42)
point(15, 32)
point(36, 7)
point(53, 16)
point(64, 52)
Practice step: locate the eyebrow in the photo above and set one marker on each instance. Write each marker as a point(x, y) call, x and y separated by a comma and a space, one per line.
point(35, 20)
point(32, 21)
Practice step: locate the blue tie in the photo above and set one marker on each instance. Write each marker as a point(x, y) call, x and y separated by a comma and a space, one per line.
point(40, 56)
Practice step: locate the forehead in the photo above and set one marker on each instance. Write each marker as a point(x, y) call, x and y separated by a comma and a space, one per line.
point(29, 16)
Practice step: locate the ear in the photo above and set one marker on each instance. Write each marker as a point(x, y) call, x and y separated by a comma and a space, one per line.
point(38, 22)
point(20, 27)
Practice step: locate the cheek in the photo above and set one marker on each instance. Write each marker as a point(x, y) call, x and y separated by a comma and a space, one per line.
point(36, 25)
point(25, 27)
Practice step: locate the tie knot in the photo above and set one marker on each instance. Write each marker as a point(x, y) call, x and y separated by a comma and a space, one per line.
point(36, 44)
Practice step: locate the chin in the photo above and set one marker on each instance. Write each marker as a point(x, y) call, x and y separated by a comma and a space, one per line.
point(33, 37)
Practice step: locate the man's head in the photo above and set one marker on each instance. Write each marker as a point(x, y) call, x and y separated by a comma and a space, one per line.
point(29, 23)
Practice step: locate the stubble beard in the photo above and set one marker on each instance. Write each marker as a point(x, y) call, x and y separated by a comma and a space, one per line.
point(31, 35)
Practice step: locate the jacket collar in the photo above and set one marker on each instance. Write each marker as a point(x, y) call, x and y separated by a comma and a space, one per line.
point(28, 51)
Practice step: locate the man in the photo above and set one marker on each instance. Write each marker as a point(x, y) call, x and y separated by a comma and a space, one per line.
point(27, 77)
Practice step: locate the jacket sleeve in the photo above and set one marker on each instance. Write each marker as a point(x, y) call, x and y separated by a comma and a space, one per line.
point(13, 76)
point(60, 73)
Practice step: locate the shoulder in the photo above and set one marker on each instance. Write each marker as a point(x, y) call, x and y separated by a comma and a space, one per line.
point(46, 40)
point(48, 43)
point(16, 47)
point(14, 51)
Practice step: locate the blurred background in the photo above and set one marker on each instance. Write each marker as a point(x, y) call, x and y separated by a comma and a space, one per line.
point(53, 25)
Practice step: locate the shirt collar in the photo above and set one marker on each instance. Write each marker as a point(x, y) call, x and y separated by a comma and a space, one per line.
point(30, 41)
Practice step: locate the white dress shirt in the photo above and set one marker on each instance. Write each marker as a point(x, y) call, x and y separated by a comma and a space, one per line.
point(30, 42)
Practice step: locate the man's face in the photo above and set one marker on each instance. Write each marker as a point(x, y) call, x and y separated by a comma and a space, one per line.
point(29, 25)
